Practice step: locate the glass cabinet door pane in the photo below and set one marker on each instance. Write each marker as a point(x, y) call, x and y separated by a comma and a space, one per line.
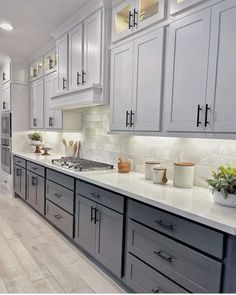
point(122, 19)
point(148, 8)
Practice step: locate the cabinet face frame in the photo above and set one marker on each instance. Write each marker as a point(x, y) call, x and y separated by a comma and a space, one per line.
point(176, 6)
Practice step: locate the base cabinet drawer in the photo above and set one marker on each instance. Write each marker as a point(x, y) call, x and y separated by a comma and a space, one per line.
point(60, 196)
point(20, 162)
point(20, 181)
point(196, 235)
point(190, 269)
point(60, 178)
point(143, 279)
point(60, 218)
point(35, 168)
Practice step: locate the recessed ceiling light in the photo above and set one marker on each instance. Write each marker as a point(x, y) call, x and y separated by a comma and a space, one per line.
point(6, 26)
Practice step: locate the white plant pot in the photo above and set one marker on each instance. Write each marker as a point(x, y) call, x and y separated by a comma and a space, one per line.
point(230, 201)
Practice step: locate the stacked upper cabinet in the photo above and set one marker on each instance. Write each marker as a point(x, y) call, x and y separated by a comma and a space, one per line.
point(136, 83)
point(85, 53)
point(62, 64)
point(132, 15)
point(200, 85)
point(36, 104)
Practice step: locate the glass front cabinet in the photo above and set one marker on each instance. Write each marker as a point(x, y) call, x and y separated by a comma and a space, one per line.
point(176, 6)
point(50, 62)
point(133, 15)
point(36, 69)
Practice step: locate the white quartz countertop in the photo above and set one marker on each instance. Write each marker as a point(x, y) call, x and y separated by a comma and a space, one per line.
point(195, 204)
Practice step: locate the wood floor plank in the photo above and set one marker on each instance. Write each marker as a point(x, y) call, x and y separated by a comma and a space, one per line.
point(48, 285)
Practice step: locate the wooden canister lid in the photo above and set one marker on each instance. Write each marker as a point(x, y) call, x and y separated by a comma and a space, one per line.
point(159, 168)
point(184, 164)
point(152, 162)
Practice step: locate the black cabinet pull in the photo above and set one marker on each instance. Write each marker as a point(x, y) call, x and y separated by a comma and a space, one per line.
point(57, 195)
point(18, 172)
point(135, 21)
point(198, 115)
point(131, 119)
point(3, 105)
point(127, 119)
point(34, 122)
point(206, 115)
point(95, 195)
point(64, 83)
point(78, 81)
point(155, 291)
point(162, 224)
point(164, 256)
point(34, 180)
point(57, 216)
point(92, 214)
point(130, 20)
point(83, 75)
point(3, 76)
point(96, 219)
point(50, 121)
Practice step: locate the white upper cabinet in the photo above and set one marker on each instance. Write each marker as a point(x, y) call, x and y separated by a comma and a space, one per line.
point(6, 97)
point(36, 104)
point(6, 73)
point(62, 64)
point(133, 15)
point(186, 78)
point(136, 84)
point(221, 98)
point(147, 82)
point(50, 62)
point(177, 6)
point(121, 86)
point(75, 57)
point(52, 118)
point(36, 69)
point(92, 50)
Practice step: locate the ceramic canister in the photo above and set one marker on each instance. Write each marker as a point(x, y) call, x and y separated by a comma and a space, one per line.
point(184, 174)
point(149, 165)
point(159, 175)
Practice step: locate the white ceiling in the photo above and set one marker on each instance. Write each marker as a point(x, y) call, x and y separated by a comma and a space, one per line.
point(33, 21)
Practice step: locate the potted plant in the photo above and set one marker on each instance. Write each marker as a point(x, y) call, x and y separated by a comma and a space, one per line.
point(36, 140)
point(223, 186)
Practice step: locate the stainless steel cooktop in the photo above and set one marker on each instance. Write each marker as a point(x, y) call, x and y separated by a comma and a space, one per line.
point(78, 164)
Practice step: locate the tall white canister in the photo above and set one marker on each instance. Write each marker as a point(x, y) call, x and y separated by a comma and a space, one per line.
point(184, 174)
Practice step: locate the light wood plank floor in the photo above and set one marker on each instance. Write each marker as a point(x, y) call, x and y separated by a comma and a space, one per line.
point(35, 258)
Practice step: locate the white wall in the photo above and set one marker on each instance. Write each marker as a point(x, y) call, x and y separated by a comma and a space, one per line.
point(208, 154)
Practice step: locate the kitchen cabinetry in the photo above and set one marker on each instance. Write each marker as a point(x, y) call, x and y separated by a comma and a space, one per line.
point(177, 6)
point(6, 73)
point(36, 104)
point(35, 191)
point(99, 230)
point(52, 118)
point(132, 15)
point(62, 64)
point(50, 62)
point(136, 83)
point(221, 113)
point(187, 72)
point(36, 69)
point(6, 97)
point(20, 177)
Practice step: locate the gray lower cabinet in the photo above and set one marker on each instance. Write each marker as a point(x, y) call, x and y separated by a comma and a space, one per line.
point(20, 181)
point(144, 279)
point(99, 230)
point(35, 191)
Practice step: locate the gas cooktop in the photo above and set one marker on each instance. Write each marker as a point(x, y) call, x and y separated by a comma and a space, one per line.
point(78, 164)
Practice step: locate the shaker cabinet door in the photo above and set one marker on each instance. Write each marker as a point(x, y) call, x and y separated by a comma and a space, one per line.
point(221, 115)
point(20, 181)
point(84, 224)
point(147, 83)
point(36, 104)
point(92, 49)
point(187, 72)
point(62, 64)
point(76, 57)
point(121, 86)
point(52, 118)
point(35, 192)
point(109, 233)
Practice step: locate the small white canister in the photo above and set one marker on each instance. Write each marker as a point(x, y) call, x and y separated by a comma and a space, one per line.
point(149, 165)
point(184, 174)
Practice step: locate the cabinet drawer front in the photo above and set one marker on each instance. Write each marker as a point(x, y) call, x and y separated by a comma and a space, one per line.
point(20, 162)
point(102, 196)
point(60, 218)
point(192, 270)
point(200, 237)
point(40, 170)
point(61, 196)
point(143, 279)
point(61, 179)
